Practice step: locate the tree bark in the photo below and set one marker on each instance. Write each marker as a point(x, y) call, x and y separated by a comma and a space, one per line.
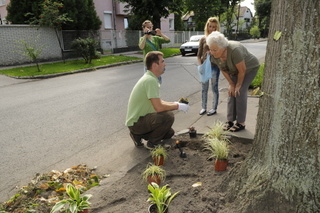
point(282, 172)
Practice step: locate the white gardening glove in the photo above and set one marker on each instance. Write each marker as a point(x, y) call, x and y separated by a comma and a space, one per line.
point(183, 107)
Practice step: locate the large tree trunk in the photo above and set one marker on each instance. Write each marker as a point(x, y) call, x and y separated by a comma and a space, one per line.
point(282, 172)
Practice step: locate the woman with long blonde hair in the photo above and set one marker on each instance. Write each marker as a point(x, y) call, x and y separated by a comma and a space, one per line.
point(211, 25)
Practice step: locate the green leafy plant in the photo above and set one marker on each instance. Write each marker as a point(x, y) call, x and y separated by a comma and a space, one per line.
point(158, 152)
point(219, 148)
point(160, 196)
point(184, 100)
point(32, 51)
point(75, 203)
point(255, 32)
point(86, 48)
point(153, 170)
point(51, 17)
point(216, 131)
point(257, 81)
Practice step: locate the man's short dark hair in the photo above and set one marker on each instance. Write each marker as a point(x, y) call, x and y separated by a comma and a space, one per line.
point(152, 57)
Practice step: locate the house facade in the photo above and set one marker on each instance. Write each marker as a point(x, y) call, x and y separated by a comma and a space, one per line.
point(3, 11)
point(245, 20)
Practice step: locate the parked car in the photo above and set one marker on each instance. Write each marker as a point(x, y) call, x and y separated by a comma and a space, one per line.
point(191, 46)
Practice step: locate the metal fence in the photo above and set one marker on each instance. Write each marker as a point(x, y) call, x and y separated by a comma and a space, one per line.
point(123, 40)
point(45, 39)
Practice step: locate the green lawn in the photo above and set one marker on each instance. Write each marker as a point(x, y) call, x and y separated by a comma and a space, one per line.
point(73, 65)
point(60, 67)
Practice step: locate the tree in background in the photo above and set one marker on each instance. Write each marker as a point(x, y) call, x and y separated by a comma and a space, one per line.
point(281, 173)
point(263, 10)
point(17, 10)
point(30, 49)
point(83, 14)
point(178, 23)
point(52, 17)
point(152, 10)
point(230, 14)
point(205, 9)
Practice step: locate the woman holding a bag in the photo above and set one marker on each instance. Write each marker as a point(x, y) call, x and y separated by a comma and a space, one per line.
point(208, 72)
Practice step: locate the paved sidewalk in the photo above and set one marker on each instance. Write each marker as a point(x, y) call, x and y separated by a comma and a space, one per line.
point(202, 123)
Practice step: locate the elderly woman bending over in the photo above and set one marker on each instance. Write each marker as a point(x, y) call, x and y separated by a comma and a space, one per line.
point(239, 67)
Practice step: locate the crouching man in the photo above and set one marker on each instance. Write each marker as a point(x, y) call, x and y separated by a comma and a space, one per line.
point(149, 117)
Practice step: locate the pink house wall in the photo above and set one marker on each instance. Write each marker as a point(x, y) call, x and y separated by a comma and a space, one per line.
point(106, 5)
point(3, 10)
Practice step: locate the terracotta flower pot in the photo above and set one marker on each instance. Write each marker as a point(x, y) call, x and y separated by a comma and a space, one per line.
point(85, 211)
point(154, 178)
point(158, 161)
point(220, 165)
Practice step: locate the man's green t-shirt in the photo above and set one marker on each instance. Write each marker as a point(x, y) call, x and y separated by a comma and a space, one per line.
point(139, 102)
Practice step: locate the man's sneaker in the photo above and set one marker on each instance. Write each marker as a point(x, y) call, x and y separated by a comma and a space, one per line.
point(166, 146)
point(136, 140)
point(150, 145)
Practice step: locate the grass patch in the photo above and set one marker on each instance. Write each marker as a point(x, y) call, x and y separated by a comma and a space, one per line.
point(60, 67)
point(73, 65)
point(169, 52)
point(257, 81)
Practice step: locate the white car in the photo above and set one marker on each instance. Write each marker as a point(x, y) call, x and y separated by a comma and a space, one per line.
point(191, 46)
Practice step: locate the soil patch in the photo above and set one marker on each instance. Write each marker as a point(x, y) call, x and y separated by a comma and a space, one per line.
point(130, 193)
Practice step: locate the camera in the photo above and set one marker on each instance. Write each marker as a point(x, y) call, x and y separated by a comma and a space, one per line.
point(152, 32)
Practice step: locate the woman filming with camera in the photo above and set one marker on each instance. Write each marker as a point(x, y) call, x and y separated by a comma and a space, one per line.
point(151, 39)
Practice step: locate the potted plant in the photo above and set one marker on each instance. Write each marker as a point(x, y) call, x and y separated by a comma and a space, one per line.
point(219, 150)
point(75, 203)
point(153, 173)
point(160, 198)
point(159, 154)
point(184, 100)
point(192, 132)
point(217, 131)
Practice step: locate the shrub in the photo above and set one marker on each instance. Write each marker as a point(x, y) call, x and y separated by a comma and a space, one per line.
point(255, 32)
point(86, 48)
point(257, 81)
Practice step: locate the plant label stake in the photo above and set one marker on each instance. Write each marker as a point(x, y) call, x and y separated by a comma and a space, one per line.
point(182, 153)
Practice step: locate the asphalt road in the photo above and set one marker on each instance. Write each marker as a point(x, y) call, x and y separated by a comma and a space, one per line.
point(60, 122)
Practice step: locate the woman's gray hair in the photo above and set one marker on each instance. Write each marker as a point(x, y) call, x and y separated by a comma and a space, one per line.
point(217, 38)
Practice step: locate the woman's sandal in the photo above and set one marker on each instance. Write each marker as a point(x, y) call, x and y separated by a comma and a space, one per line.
point(237, 127)
point(227, 125)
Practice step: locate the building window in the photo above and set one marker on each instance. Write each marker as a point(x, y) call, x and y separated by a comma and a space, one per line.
point(2, 2)
point(107, 17)
point(171, 24)
point(125, 23)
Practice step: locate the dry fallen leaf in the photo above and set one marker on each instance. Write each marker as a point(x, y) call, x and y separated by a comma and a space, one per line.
point(197, 184)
